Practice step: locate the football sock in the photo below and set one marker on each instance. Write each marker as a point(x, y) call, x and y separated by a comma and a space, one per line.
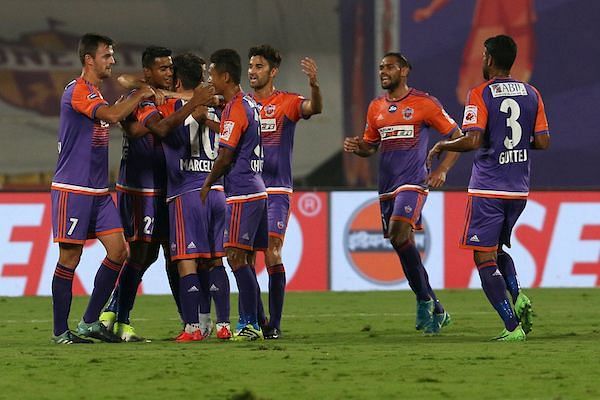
point(189, 293)
point(219, 291)
point(62, 295)
point(414, 270)
point(114, 300)
point(130, 279)
point(247, 287)
point(260, 310)
point(204, 296)
point(437, 306)
point(507, 268)
point(104, 283)
point(276, 294)
point(173, 277)
point(495, 289)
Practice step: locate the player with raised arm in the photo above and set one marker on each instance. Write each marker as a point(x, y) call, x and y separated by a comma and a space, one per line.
point(504, 118)
point(82, 208)
point(399, 122)
point(240, 161)
point(279, 113)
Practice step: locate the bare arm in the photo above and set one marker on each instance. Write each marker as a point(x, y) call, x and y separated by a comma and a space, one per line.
point(541, 142)
point(119, 111)
point(133, 129)
point(200, 114)
point(438, 177)
point(221, 165)
point(469, 141)
point(359, 147)
point(314, 105)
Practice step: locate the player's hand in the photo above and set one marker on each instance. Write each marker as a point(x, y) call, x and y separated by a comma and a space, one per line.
point(435, 152)
point(351, 144)
point(204, 193)
point(146, 92)
point(309, 67)
point(203, 94)
point(437, 178)
point(160, 97)
point(120, 99)
point(200, 113)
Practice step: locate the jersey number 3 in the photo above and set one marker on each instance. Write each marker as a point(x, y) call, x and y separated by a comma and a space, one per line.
point(512, 108)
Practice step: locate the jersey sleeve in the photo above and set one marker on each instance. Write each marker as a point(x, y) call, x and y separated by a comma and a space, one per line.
point(476, 113)
point(541, 121)
point(144, 111)
point(234, 123)
point(86, 101)
point(438, 118)
point(371, 134)
point(293, 106)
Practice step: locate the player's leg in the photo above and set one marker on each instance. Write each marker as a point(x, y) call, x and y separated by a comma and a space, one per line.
point(260, 308)
point(203, 271)
point(189, 293)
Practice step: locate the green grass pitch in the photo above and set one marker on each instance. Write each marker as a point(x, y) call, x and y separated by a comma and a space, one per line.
point(335, 346)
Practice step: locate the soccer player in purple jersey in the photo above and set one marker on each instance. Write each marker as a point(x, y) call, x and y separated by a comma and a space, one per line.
point(504, 118)
point(240, 161)
point(82, 208)
point(399, 122)
point(279, 113)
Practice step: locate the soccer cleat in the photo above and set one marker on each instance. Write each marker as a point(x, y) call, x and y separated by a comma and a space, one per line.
point(438, 321)
point(271, 333)
point(518, 335)
point(108, 319)
point(424, 314)
point(68, 337)
point(248, 333)
point(184, 337)
point(224, 331)
point(97, 330)
point(127, 333)
point(524, 312)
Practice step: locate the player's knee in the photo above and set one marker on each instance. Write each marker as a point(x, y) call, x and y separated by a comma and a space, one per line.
point(397, 239)
point(118, 254)
point(69, 255)
point(273, 255)
point(236, 258)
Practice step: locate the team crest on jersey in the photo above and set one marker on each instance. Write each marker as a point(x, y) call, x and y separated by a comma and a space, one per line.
point(227, 129)
point(408, 209)
point(280, 224)
point(270, 110)
point(407, 113)
point(470, 115)
point(392, 108)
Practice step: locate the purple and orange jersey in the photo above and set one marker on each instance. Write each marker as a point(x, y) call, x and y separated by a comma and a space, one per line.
point(240, 132)
point(190, 151)
point(401, 128)
point(142, 170)
point(82, 165)
point(509, 113)
point(279, 114)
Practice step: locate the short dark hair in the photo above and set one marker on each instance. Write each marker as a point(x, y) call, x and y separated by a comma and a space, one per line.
point(503, 50)
point(88, 44)
point(228, 60)
point(153, 52)
point(268, 53)
point(188, 69)
point(402, 60)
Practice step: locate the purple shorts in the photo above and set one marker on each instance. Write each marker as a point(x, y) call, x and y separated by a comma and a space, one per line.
point(278, 208)
point(77, 217)
point(144, 218)
point(248, 225)
point(197, 228)
point(405, 206)
point(489, 222)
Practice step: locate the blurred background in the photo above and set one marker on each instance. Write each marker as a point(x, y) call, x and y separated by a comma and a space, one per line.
point(442, 38)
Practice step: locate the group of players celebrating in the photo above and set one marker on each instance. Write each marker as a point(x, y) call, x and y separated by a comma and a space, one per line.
point(206, 173)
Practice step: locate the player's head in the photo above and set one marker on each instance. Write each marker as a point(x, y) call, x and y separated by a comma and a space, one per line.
point(499, 54)
point(189, 69)
point(158, 67)
point(96, 54)
point(263, 65)
point(225, 69)
point(393, 69)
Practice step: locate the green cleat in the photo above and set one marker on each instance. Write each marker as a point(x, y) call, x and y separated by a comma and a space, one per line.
point(438, 321)
point(248, 333)
point(424, 314)
point(97, 330)
point(127, 333)
point(524, 312)
point(68, 337)
point(518, 335)
point(108, 319)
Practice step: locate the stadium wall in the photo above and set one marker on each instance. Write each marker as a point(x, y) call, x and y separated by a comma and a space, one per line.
point(334, 243)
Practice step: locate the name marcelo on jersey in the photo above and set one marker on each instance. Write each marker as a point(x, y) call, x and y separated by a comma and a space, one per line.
point(195, 165)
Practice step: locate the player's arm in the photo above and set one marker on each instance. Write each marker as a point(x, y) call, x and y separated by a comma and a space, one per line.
point(221, 165)
point(358, 146)
point(541, 141)
point(469, 141)
point(163, 126)
point(119, 111)
point(200, 114)
point(314, 105)
point(438, 176)
point(133, 129)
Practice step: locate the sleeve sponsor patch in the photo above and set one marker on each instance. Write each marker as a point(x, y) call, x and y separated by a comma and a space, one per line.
point(92, 96)
point(227, 129)
point(470, 115)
